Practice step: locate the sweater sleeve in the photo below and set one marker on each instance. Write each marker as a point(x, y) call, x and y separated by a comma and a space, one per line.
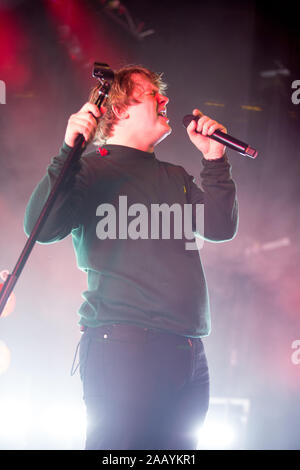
point(65, 215)
point(219, 199)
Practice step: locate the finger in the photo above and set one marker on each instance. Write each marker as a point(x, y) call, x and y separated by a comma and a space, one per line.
point(201, 125)
point(84, 118)
point(208, 125)
point(83, 125)
point(90, 108)
point(215, 127)
point(197, 112)
point(191, 128)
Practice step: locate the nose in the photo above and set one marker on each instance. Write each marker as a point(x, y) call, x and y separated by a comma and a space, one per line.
point(162, 99)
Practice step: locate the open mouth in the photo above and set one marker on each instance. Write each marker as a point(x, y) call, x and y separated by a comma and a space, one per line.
point(163, 113)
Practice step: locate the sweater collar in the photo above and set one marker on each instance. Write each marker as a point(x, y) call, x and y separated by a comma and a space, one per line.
point(126, 153)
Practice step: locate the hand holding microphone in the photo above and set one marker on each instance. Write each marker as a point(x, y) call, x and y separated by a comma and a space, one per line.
point(83, 122)
point(200, 127)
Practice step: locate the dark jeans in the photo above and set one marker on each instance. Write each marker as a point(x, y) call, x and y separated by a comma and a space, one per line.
point(143, 389)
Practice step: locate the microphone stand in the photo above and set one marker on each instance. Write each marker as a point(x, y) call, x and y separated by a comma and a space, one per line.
point(105, 76)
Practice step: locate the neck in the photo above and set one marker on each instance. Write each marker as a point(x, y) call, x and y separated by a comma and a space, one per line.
point(133, 143)
point(124, 135)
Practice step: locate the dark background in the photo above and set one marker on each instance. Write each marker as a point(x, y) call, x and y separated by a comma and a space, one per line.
point(236, 61)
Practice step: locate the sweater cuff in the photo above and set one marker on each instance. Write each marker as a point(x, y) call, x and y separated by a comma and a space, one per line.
point(214, 163)
point(65, 148)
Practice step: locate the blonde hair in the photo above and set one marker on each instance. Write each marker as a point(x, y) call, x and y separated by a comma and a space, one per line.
point(120, 96)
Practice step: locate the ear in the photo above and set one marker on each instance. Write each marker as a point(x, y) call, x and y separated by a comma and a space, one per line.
point(119, 113)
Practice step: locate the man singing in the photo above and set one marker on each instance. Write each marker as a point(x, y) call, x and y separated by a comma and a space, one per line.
point(142, 362)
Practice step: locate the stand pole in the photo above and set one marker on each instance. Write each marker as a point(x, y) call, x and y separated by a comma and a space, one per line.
point(72, 158)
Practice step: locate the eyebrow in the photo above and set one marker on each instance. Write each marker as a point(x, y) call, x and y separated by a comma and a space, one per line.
point(142, 89)
point(152, 90)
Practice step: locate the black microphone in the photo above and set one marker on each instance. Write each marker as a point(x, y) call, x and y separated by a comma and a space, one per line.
point(225, 139)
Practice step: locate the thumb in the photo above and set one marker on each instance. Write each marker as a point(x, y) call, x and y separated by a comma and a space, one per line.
point(193, 124)
point(90, 108)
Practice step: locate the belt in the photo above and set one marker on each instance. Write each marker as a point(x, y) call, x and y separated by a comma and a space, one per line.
point(126, 331)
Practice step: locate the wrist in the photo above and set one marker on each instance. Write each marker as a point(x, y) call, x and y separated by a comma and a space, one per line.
point(66, 146)
point(220, 160)
point(214, 153)
point(214, 157)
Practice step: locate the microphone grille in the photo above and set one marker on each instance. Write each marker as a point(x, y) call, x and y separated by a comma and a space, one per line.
point(189, 118)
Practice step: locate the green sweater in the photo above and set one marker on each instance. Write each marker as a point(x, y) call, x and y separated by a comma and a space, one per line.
point(149, 280)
